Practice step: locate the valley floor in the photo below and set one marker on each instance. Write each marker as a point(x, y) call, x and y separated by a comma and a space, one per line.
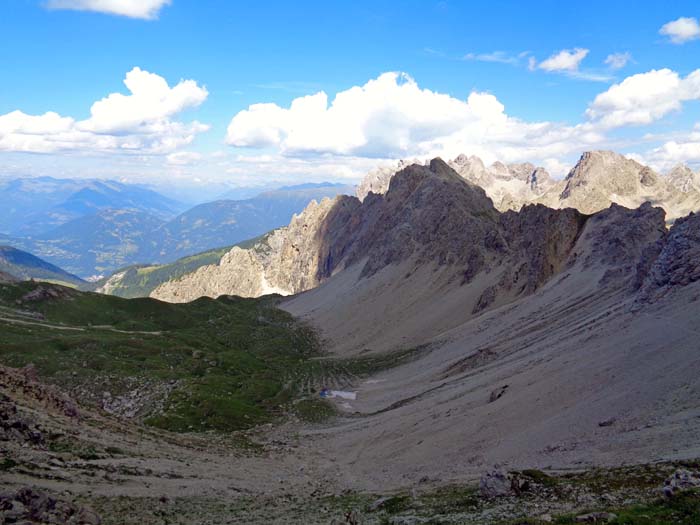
point(574, 433)
point(129, 474)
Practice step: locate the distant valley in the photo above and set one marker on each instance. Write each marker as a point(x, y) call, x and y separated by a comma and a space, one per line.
point(95, 227)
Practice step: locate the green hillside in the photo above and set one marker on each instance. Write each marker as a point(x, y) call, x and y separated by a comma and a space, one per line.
point(23, 266)
point(207, 365)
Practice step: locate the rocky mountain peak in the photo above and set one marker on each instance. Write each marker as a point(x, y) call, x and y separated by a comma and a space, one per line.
point(377, 179)
point(538, 180)
point(603, 177)
point(683, 179)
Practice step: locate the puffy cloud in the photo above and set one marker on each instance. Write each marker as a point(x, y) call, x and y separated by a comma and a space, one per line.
point(138, 122)
point(391, 117)
point(566, 60)
point(683, 148)
point(151, 100)
point(643, 98)
point(618, 60)
point(146, 9)
point(682, 30)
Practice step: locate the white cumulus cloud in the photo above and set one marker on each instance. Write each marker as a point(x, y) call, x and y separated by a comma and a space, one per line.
point(564, 60)
point(151, 100)
point(141, 121)
point(392, 117)
point(146, 9)
point(644, 98)
point(681, 30)
point(618, 60)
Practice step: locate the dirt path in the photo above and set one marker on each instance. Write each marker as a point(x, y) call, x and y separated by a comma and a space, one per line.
point(77, 328)
point(43, 325)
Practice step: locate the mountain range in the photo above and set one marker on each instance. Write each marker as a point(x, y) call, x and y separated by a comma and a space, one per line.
point(34, 206)
point(290, 260)
point(598, 179)
point(95, 227)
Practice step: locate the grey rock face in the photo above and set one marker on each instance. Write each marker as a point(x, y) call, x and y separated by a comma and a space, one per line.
point(432, 215)
point(678, 262)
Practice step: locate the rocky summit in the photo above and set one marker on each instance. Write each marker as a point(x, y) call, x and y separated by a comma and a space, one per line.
point(436, 215)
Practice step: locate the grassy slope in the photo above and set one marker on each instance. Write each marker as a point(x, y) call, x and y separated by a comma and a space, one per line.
point(229, 358)
point(140, 281)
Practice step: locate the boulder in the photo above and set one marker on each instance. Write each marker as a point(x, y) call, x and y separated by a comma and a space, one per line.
point(679, 481)
point(495, 484)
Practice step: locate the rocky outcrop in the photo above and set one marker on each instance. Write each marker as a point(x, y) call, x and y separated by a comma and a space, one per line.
point(678, 262)
point(540, 241)
point(681, 480)
point(620, 239)
point(285, 262)
point(17, 428)
point(495, 484)
point(25, 381)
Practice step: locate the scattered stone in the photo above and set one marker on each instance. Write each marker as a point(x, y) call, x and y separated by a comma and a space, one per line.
point(87, 516)
point(596, 517)
point(496, 394)
point(376, 505)
point(607, 422)
point(30, 505)
point(16, 427)
point(679, 481)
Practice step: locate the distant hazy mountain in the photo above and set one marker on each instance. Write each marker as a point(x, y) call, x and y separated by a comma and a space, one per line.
point(110, 238)
point(227, 222)
point(23, 266)
point(34, 206)
point(141, 280)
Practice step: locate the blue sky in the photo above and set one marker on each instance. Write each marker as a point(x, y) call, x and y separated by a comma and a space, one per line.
point(537, 68)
